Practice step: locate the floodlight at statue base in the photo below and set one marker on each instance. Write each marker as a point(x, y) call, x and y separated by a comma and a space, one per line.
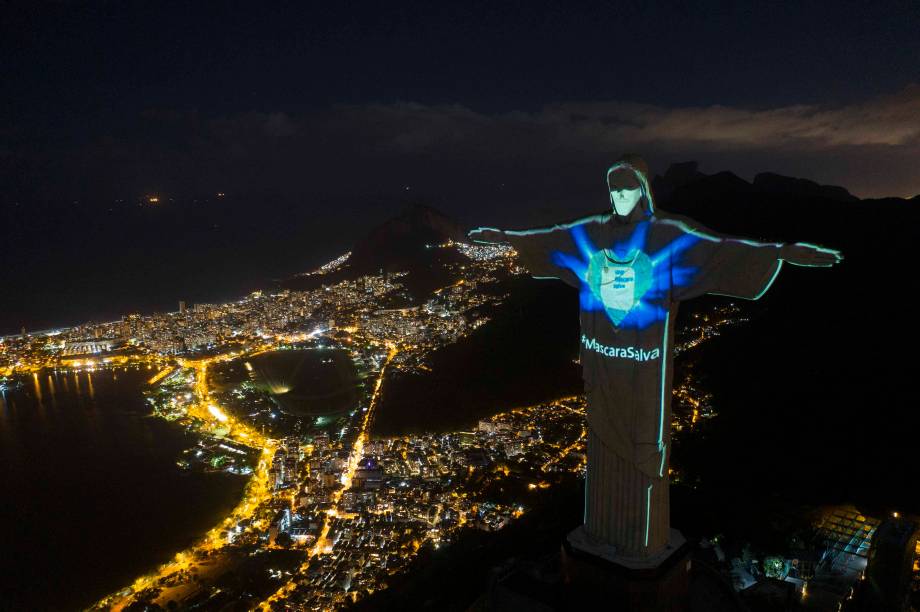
point(659, 583)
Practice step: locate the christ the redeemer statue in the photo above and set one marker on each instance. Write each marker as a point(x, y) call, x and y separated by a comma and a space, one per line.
point(632, 267)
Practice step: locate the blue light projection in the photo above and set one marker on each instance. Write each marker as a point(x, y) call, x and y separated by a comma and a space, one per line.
point(624, 281)
point(633, 284)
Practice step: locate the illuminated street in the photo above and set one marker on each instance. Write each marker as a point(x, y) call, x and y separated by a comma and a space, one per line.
point(330, 513)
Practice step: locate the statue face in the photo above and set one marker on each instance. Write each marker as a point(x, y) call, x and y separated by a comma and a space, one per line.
point(625, 190)
point(624, 199)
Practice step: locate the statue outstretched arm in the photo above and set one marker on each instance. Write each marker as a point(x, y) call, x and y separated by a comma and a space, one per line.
point(487, 235)
point(493, 235)
point(809, 255)
point(739, 267)
point(539, 249)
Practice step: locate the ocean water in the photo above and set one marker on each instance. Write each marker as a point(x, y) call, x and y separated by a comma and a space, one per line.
point(92, 496)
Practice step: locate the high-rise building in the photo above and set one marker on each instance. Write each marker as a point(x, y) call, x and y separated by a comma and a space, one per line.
point(181, 306)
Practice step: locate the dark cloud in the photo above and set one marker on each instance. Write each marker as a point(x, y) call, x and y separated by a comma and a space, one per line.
point(879, 138)
point(544, 157)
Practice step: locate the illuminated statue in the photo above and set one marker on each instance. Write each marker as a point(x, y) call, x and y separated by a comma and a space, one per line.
point(632, 266)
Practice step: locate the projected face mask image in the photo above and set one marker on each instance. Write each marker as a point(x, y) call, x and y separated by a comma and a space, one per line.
point(624, 199)
point(619, 285)
point(625, 190)
point(624, 281)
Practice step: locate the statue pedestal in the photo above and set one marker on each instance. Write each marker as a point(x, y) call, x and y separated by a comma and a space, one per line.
point(657, 584)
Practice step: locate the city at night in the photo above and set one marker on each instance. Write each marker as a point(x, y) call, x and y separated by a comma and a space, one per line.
point(475, 307)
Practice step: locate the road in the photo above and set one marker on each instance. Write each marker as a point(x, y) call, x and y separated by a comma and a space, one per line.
point(322, 545)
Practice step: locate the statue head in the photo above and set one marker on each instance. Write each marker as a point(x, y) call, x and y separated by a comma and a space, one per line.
point(627, 184)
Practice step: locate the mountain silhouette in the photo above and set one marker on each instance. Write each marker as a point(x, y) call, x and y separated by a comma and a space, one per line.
point(676, 176)
point(404, 241)
point(407, 242)
point(686, 178)
point(778, 184)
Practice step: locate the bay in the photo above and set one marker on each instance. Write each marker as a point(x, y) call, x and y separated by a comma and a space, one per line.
point(91, 493)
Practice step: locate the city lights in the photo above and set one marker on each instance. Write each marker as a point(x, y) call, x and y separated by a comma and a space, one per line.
point(338, 489)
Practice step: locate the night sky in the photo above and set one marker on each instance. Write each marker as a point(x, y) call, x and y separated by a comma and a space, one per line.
point(318, 120)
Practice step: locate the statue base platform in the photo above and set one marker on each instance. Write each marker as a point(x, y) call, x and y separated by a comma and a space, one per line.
point(657, 584)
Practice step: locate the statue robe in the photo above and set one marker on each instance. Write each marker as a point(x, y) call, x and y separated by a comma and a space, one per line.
point(631, 273)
